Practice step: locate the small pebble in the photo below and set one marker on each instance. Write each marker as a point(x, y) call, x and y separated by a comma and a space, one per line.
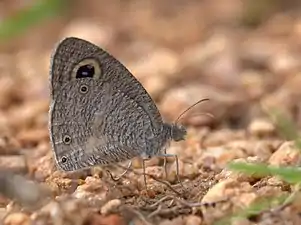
point(261, 127)
point(110, 206)
point(286, 155)
point(17, 219)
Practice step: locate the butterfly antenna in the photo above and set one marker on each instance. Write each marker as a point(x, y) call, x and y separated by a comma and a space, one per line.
point(204, 114)
point(190, 107)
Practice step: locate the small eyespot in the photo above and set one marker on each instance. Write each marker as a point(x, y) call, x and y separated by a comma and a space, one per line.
point(67, 139)
point(64, 159)
point(83, 89)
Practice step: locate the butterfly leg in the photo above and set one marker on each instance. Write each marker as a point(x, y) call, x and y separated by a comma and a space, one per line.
point(118, 178)
point(143, 167)
point(165, 166)
point(177, 166)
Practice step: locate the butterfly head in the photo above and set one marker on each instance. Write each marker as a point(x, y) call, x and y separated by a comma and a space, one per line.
point(177, 132)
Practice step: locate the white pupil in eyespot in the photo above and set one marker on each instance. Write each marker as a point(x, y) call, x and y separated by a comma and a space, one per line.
point(85, 71)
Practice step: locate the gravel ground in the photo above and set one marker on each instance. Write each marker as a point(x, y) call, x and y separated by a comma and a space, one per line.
point(246, 62)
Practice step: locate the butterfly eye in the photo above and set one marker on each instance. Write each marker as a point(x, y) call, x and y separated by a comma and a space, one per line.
point(87, 68)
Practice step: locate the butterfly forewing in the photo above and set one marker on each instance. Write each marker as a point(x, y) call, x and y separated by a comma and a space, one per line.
point(104, 118)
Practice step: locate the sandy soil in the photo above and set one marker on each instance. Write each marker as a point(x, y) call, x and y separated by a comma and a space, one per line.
point(243, 56)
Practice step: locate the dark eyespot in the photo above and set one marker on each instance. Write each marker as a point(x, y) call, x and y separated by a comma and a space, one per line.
point(83, 89)
point(85, 71)
point(87, 68)
point(64, 159)
point(67, 139)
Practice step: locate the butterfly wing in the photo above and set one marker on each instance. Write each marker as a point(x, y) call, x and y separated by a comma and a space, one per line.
point(99, 119)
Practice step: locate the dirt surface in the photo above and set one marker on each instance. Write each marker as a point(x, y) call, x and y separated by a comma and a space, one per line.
point(242, 55)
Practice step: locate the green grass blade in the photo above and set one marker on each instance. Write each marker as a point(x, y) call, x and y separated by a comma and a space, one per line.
point(289, 174)
point(26, 18)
